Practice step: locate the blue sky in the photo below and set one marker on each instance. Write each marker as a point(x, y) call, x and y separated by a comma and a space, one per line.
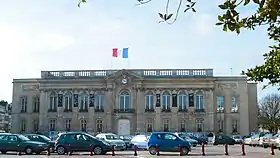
point(57, 35)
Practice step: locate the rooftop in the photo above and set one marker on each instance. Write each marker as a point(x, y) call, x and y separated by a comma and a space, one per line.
point(145, 73)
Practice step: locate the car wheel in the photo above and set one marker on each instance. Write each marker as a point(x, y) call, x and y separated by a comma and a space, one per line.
point(28, 150)
point(98, 150)
point(185, 151)
point(194, 145)
point(38, 153)
point(61, 150)
point(152, 150)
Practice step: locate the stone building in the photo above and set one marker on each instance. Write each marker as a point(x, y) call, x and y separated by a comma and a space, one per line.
point(5, 118)
point(134, 100)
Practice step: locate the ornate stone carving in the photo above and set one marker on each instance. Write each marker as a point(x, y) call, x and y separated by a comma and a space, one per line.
point(227, 85)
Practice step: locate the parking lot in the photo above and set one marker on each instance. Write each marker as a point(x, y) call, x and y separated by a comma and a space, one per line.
point(210, 151)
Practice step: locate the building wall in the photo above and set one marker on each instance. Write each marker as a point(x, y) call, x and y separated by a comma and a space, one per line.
point(137, 86)
point(253, 106)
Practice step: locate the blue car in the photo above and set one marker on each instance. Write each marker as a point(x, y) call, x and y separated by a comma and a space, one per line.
point(167, 142)
point(193, 142)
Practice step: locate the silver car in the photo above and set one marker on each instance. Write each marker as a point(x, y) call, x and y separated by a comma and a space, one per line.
point(112, 139)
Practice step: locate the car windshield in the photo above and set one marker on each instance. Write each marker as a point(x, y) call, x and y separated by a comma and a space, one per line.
point(45, 138)
point(23, 138)
point(268, 135)
point(111, 137)
point(237, 137)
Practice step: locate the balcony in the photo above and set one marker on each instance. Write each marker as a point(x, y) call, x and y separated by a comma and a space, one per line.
point(199, 110)
point(220, 110)
point(182, 110)
point(35, 110)
point(166, 109)
point(149, 110)
point(99, 110)
point(23, 111)
point(68, 110)
point(124, 110)
point(234, 110)
point(52, 110)
point(83, 110)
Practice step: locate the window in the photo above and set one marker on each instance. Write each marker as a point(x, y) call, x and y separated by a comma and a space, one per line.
point(150, 124)
point(199, 125)
point(169, 137)
point(52, 125)
point(234, 126)
point(84, 102)
point(53, 102)
point(36, 104)
point(23, 126)
point(35, 125)
point(199, 104)
point(68, 101)
point(150, 100)
point(220, 103)
point(183, 100)
point(99, 125)
point(100, 101)
point(182, 125)
point(234, 106)
point(220, 125)
point(23, 104)
point(68, 124)
point(124, 100)
point(166, 125)
point(166, 100)
point(83, 124)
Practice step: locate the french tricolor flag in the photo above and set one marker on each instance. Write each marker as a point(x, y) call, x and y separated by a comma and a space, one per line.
point(123, 53)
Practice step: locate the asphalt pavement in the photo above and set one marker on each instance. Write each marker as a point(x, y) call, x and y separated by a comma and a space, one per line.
point(210, 151)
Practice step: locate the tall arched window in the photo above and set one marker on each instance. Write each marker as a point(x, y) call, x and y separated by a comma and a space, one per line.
point(150, 101)
point(124, 101)
point(199, 100)
point(183, 100)
point(84, 102)
point(68, 101)
point(100, 101)
point(166, 100)
point(53, 102)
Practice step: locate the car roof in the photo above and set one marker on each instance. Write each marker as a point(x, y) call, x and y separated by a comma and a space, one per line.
point(73, 133)
point(162, 133)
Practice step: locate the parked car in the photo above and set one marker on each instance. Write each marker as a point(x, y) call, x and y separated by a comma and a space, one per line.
point(255, 140)
point(41, 138)
point(167, 142)
point(266, 139)
point(127, 141)
point(80, 142)
point(247, 140)
point(238, 139)
point(141, 141)
point(223, 139)
point(193, 142)
point(112, 139)
point(12, 142)
point(276, 141)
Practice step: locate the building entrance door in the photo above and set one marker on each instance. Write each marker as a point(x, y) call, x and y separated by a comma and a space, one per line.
point(124, 127)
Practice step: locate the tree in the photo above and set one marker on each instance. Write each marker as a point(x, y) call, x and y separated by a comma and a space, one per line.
point(269, 112)
point(3, 103)
point(267, 14)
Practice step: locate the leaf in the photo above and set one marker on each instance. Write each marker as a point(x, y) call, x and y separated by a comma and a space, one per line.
point(219, 23)
point(222, 6)
point(225, 28)
point(257, 1)
point(169, 16)
point(220, 18)
point(193, 4)
point(186, 9)
point(164, 17)
point(193, 10)
point(161, 15)
point(247, 2)
point(189, 0)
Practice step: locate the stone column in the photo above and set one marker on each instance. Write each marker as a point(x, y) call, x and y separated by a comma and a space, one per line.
point(227, 111)
point(108, 108)
point(44, 105)
point(211, 111)
point(140, 119)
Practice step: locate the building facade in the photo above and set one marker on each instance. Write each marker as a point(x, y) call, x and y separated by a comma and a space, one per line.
point(129, 101)
point(5, 117)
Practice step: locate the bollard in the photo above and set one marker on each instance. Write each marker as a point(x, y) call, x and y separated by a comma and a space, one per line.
point(91, 150)
point(113, 150)
point(243, 149)
point(49, 150)
point(272, 149)
point(135, 150)
point(19, 150)
point(69, 150)
point(157, 149)
point(226, 149)
point(203, 149)
point(180, 150)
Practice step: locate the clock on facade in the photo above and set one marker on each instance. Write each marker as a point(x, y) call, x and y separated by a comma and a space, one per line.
point(124, 81)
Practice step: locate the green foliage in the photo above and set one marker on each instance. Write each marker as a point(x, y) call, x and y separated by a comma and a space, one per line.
point(3, 103)
point(267, 14)
point(269, 112)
